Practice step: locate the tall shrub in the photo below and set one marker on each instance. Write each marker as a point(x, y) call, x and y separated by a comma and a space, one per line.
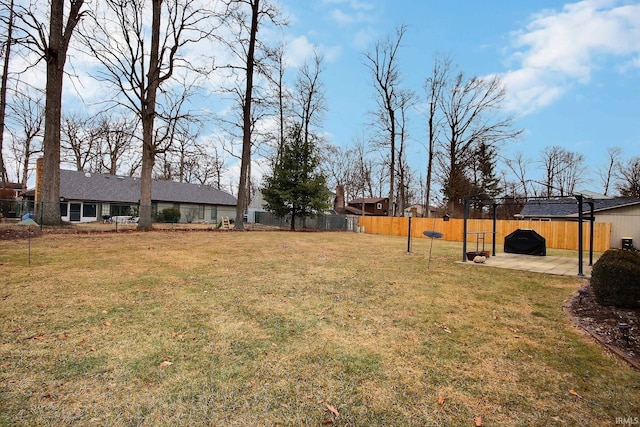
point(615, 278)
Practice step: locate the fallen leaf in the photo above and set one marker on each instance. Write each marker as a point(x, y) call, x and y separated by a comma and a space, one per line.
point(107, 323)
point(326, 422)
point(333, 410)
point(479, 422)
point(575, 393)
point(64, 336)
point(441, 400)
point(39, 337)
point(165, 364)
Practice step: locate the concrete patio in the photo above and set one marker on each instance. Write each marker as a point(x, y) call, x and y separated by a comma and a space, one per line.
point(538, 264)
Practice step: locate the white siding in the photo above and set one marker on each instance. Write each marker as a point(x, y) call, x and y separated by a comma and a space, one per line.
point(625, 222)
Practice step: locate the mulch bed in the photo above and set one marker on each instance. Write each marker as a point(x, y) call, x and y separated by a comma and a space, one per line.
point(602, 324)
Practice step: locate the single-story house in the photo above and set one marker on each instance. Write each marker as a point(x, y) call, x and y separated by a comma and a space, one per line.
point(87, 197)
point(622, 213)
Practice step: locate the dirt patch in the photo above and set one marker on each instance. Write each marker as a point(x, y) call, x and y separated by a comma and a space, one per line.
point(603, 324)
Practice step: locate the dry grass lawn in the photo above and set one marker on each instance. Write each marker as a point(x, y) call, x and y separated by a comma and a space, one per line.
point(290, 329)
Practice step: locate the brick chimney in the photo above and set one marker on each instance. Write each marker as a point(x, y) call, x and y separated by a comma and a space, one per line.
point(338, 202)
point(39, 178)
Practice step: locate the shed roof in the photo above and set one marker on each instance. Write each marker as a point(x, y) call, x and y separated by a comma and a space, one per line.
point(562, 208)
point(78, 185)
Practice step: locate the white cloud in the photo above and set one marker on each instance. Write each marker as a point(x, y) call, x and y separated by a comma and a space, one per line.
point(298, 50)
point(350, 12)
point(342, 18)
point(353, 4)
point(559, 49)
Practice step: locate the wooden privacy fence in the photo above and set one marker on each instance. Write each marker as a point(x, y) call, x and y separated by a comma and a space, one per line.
point(559, 234)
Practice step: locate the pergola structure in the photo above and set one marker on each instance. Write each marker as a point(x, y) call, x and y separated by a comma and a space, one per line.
point(581, 199)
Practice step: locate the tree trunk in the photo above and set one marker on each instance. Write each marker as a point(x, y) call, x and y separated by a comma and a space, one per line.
point(148, 113)
point(245, 164)
point(392, 168)
point(3, 93)
point(55, 56)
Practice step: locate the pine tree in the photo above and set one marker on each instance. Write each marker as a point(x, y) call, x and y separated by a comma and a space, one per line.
point(487, 183)
point(297, 187)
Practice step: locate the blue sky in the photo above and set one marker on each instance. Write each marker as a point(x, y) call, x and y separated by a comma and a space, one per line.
point(572, 69)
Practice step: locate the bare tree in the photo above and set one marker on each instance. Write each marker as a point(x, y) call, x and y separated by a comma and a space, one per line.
point(52, 44)
point(246, 16)
point(281, 95)
point(309, 95)
point(606, 172)
point(207, 168)
point(116, 136)
point(563, 170)
point(78, 141)
point(629, 178)
point(406, 100)
point(571, 173)
point(434, 86)
point(27, 114)
point(519, 167)
point(471, 111)
point(97, 143)
point(3, 89)
point(382, 63)
point(551, 160)
point(137, 68)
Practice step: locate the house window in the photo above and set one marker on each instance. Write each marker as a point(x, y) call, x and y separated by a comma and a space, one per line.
point(379, 206)
point(89, 210)
point(63, 208)
point(214, 213)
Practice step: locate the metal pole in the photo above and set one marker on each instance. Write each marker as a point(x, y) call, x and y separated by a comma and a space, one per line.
point(495, 217)
point(464, 232)
point(579, 197)
point(591, 203)
point(409, 235)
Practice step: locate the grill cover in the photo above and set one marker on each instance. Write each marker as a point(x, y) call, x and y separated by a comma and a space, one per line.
point(526, 242)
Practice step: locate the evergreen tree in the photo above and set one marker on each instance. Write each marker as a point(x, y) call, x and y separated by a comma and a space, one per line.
point(297, 187)
point(487, 183)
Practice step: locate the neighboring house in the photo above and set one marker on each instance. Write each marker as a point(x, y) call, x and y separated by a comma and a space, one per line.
point(11, 190)
point(372, 206)
point(622, 213)
point(256, 206)
point(86, 197)
point(11, 205)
